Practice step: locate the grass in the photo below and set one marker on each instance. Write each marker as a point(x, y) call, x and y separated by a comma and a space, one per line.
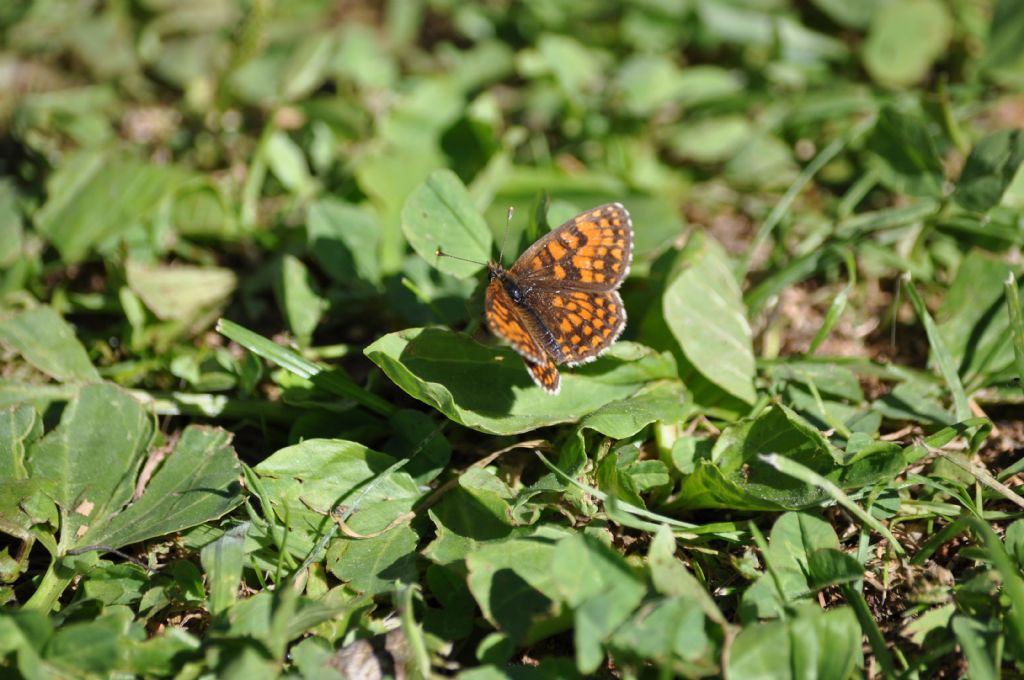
point(251, 425)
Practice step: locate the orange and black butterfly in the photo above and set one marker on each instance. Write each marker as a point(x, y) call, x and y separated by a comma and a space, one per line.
point(558, 304)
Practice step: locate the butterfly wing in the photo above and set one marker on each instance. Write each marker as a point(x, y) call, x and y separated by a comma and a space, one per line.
point(509, 321)
point(592, 251)
point(581, 324)
point(545, 375)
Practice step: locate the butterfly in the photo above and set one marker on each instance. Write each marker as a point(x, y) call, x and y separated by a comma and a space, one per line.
point(558, 303)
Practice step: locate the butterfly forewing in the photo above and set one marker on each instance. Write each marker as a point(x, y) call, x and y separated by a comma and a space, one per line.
point(592, 251)
point(508, 320)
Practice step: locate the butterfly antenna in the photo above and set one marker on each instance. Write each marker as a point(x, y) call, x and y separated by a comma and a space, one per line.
point(441, 253)
point(504, 239)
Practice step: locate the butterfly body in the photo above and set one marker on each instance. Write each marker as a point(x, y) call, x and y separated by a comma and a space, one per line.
point(558, 303)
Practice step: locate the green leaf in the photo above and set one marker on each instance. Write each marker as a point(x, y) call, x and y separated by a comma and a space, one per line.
point(191, 295)
point(48, 342)
point(904, 154)
point(198, 482)
point(288, 163)
point(305, 483)
point(512, 583)
point(814, 644)
point(599, 585)
point(905, 40)
point(386, 557)
point(298, 298)
point(11, 228)
point(664, 402)
point(92, 646)
point(989, 170)
point(488, 389)
point(970, 318)
point(440, 214)
point(476, 512)
point(222, 560)
point(1004, 48)
point(95, 196)
point(704, 309)
point(92, 458)
point(829, 567)
point(344, 240)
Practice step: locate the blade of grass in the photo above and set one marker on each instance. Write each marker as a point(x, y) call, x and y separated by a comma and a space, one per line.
point(808, 476)
point(838, 305)
point(1016, 325)
point(332, 381)
point(947, 367)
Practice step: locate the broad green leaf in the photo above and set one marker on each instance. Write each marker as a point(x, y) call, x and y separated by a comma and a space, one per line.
point(298, 298)
point(704, 309)
point(989, 170)
point(476, 512)
point(905, 39)
point(308, 65)
point(710, 140)
point(198, 482)
point(48, 342)
point(1004, 48)
point(665, 402)
point(670, 633)
point(647, 82)
point(344, 240)
point(905, 155)
point(489, 389)
point(598, 584)
point(970, 318)
point(95, 196)
point(440, 214)
point(384, 558)
point(513, 585)
point(830, 566)
point(288, 163)
point(182, 292)
point(813, 644)
point(92, 459)
point(90, 646)
point(308, 481)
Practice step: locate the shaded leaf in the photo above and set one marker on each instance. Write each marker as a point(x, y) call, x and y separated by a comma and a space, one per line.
point(989, 170)
point(489, 389)
point(905, 155)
